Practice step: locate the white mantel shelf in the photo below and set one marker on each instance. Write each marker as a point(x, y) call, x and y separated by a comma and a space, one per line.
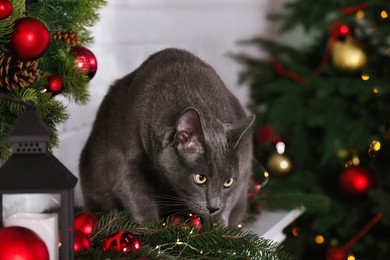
point(270, 224)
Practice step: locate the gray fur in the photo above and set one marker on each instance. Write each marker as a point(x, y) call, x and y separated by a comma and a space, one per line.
point(156, 128)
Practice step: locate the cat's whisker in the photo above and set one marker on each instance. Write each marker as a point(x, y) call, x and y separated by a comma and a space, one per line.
point(175, 205)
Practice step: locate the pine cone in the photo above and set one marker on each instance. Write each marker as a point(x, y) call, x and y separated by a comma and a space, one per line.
point(15, 74)
point(70, 38)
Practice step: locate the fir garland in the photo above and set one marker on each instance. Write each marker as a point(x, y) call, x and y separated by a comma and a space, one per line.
point(171, 239)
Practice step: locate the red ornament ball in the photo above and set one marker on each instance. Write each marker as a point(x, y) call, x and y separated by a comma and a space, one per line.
point(55, 84)
point(336, 253)
point(339, 30)
point(356, 180)
point(85, 222)
point(195, 222)
point(30, 39)
point(5, 9)
point(21, 243)
point(122, 241)
point(85, 60)
point(264, 135)
point(81, 241)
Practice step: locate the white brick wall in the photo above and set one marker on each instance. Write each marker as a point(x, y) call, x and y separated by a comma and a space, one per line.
point(130, 30)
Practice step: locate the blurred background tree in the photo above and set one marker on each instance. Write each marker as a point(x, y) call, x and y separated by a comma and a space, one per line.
point(323, 123)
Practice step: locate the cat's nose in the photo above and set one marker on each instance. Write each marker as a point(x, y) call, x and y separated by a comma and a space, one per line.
point(212, 209)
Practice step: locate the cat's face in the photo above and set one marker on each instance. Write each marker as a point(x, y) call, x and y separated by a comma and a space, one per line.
point(202, 165)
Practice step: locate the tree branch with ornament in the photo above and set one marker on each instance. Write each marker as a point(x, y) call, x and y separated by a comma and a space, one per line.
point(43, 53)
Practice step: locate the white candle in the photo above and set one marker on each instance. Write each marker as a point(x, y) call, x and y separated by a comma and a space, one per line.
point(44, 225)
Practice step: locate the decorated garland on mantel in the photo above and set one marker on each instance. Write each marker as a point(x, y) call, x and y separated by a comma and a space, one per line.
point(115, 235)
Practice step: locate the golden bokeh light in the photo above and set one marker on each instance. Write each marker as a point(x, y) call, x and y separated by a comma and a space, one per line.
point(384, 14)
point(360, 14)
point(319, 239)
point(365, 76)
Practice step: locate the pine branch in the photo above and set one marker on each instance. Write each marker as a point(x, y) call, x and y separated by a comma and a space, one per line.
point(6, 25)
point(66, 16)
point(173, 239)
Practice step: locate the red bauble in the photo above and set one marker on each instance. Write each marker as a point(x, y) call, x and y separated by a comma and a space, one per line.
point(196, 222)
point(55, 84)
point(85, 222)
point(265, 134)
point(5, 9)
point(30, 39)
point(122, 241)
point(336, 253)
point(356, 180)
point(339, 30)
point(21, 243)
point(81, 241)
point(85, 60)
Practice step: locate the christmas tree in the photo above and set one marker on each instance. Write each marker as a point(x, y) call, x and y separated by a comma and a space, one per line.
point(323, 125)
point(42, 54)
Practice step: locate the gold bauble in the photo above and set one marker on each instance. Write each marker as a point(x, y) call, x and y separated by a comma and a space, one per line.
point(278, 164)
point(348, 56)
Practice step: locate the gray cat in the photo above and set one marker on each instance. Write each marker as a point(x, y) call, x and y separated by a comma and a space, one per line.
point(169, 138)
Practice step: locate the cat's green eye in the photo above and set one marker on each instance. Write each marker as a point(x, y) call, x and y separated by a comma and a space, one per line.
point(228, 183)
point(200, 179)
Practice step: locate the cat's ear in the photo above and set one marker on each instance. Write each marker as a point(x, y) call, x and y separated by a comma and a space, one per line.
point(189, 134)
point(235, 131)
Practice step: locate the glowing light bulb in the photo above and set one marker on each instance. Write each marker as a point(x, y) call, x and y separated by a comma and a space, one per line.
point(384, 14)
point(365, 76)
point(280, 147)
point(375, 145)
point(319, 239)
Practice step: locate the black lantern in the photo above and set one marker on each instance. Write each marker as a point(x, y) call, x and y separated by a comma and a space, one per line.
point(31, 168)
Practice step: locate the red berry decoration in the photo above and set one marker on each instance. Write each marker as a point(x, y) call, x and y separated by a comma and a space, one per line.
point(122, 241)
point(356, 180)
point(5, 9)
point(30, 39)
point(81, 241)
point(85, 60)
point(55, 84)
point(85, 222)
point(195, 222)
point(21, 243)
